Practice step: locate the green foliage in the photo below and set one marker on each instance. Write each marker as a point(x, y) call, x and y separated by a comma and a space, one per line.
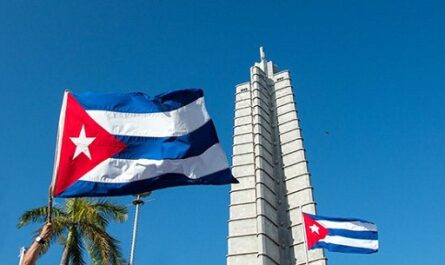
point(81, 226)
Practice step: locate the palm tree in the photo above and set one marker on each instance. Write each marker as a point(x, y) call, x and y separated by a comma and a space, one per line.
point(81, 225)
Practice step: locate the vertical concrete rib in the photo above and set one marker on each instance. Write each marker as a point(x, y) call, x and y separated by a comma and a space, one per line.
point(242, 244)
point(265, 226)
point(268, 242)
point(298, 189)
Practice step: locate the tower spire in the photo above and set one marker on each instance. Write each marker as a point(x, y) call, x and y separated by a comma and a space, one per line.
point(262, 54)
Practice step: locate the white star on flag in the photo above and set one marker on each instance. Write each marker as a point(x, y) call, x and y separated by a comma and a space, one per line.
point(82, 142)
point(314, 228)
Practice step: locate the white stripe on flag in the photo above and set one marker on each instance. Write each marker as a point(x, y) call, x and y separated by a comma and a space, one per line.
point(352, 242)
point(122, 170)
point(159, 124)
point(353, 225)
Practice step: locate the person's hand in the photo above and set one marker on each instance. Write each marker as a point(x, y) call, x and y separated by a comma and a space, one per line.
point(47, 230)
point(34, 250)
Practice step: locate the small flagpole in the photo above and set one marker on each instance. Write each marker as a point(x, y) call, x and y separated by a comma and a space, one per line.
point(136, 202)
point(50, 204)
point(306, 250)
point(57, 155)
point(56, 160)
point(22, 254)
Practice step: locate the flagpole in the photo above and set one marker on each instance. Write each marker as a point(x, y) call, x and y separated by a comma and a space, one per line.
point(305, 236)
point(136, 202)
point(22, 254)
point(57, 151)
point(50, 204)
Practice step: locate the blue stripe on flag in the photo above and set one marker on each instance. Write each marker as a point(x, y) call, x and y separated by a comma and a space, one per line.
point(318, 217)
point(87, 188)
point(138, 102)
point(344, 249)
point(160, 148)
point(354, 234)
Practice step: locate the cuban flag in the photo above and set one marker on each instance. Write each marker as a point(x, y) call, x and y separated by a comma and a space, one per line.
point(340, 234)
point(120, 144)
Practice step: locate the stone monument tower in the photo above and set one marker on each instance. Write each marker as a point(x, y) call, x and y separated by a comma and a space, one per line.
point(265, 226)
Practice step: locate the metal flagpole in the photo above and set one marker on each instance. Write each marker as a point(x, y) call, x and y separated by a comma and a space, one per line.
point(305, 236)
point(136, 202)
point(50, 204)
point(22, 254)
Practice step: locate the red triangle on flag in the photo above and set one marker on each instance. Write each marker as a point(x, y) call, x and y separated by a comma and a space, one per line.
point(314, 231)
point(84, 144)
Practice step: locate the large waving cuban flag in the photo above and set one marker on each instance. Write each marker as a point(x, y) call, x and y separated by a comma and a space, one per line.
point(340, 234)
point(121, 144)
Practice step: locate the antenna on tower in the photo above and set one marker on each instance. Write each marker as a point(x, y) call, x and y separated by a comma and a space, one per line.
point(262, 54)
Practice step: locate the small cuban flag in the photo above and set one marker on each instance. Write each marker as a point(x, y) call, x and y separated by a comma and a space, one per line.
point(340, 234)
point(129, 143)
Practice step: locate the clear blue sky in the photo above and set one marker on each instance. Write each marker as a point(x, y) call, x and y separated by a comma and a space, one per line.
point(371, 73)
